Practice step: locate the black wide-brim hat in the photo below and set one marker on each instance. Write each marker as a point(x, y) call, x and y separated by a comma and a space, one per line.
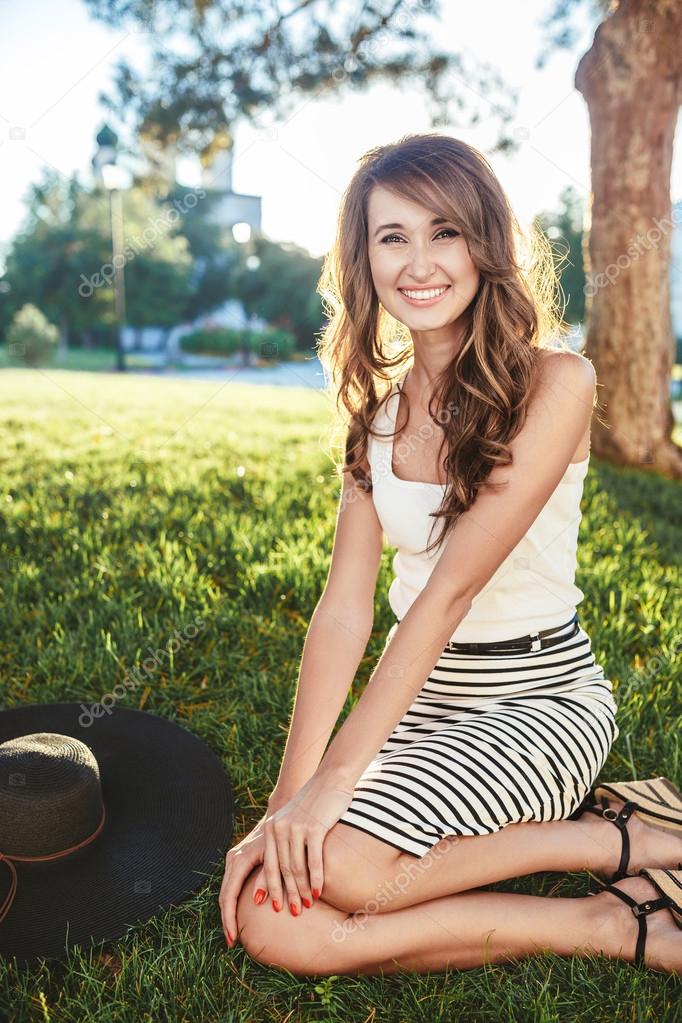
point(167, 826)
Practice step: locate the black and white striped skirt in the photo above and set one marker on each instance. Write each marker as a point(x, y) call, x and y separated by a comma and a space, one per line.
point(490, 741)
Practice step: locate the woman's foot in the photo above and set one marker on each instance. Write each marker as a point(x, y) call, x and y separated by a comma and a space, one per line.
point(650, 846)
point(616, 936)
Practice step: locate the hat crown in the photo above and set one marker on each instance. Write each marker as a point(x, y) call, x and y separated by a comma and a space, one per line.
point(50, 794)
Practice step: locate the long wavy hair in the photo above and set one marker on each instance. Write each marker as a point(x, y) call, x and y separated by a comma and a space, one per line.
point(488, 383)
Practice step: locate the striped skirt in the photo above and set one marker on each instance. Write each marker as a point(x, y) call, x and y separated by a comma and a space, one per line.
point(490, 740)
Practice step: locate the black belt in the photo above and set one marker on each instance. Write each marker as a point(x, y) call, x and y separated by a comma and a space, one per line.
point(523, 644)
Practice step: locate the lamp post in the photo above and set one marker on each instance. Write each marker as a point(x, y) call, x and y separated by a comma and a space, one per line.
point(110, 175)
point(243, 234)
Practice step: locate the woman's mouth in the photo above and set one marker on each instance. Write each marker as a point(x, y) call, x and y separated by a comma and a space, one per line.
point(423, 296)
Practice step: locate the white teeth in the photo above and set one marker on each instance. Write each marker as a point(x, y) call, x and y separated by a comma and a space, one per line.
point(423, 295)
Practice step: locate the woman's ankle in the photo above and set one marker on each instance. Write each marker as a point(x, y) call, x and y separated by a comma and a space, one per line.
point(605, 843)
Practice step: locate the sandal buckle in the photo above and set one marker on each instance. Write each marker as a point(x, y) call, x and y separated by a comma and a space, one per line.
point(609, 813)
point(642, 909)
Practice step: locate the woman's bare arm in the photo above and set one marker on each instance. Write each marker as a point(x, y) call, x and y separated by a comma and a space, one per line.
point(558, 416)
point(335, 642)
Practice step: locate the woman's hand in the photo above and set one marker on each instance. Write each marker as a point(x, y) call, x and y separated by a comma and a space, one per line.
point(294, 836)
point(239, 862)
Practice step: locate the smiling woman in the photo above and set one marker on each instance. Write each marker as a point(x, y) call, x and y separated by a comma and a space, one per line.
point(452, 287)
point(484, 726)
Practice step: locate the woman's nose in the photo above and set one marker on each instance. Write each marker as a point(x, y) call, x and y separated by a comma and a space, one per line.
point(420, 264)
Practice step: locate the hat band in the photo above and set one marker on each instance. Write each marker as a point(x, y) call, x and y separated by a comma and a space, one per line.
point(7, 904)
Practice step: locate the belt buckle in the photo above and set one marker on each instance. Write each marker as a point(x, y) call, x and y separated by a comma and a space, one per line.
point(535, 642)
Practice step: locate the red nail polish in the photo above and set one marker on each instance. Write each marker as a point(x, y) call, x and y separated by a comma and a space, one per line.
point(293, 908)
point(306, 902)
point(229, 939)
point(316, 893)
point(275, 905)
point(259, 896)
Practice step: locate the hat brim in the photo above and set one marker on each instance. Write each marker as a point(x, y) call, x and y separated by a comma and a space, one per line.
point(169, 819)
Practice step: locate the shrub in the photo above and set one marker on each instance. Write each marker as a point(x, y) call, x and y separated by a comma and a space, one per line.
point(31, 338)
point(273, 344)
point(216, 341)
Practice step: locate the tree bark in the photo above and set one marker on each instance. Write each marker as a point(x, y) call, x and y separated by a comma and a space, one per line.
point(631, 79)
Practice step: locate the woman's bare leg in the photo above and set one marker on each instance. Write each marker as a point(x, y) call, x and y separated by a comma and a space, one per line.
point(362, 872)
point(458, 931)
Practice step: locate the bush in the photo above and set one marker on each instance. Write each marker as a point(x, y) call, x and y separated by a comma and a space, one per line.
point(218, 341)
point(31, 338)
point(274, 344)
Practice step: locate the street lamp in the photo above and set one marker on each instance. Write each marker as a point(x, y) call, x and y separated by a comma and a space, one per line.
point(114, 179)
point(243, 235)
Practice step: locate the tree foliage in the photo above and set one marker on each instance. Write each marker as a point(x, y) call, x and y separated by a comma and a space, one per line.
point(215, 62)
point(564, 228)
point(282, 289)
point(178, 265)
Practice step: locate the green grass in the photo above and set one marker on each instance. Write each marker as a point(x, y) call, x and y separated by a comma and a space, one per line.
point(125, 516)
point(104, 360)
point(87, 359)
point(90, 359)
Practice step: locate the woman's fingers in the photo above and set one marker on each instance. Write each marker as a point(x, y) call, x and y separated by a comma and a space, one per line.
point(259, 892)
point(238, 866)
point(315, 862)
point(284, 855)
point(298, 851)
point(273, 880)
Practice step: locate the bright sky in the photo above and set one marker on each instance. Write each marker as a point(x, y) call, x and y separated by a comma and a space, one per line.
point(54, 61)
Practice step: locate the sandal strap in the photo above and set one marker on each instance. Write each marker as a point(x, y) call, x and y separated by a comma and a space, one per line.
point(641, 921)
point(641, 911)
point(620, 819)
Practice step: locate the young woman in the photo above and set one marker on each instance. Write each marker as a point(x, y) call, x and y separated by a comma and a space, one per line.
point(471, 753)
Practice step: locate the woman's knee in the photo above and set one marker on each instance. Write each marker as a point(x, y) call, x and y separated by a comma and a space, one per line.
point(355, 866)
point(279, 939)
point(256, 927)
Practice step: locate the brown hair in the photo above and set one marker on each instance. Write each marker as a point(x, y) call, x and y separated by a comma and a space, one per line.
point(489, 381)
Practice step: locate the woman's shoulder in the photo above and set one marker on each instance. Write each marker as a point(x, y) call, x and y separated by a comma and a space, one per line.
point(562, 366)
point(565, 356)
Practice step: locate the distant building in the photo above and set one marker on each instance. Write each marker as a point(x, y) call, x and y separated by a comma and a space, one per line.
point(229, 207)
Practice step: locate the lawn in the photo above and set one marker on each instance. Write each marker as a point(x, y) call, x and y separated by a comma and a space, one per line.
point(75, 358)
point(131, 507)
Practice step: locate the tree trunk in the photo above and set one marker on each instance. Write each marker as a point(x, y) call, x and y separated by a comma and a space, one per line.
point(631, 79)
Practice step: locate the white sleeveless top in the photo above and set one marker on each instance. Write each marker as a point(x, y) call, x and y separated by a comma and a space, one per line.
point(532, 589)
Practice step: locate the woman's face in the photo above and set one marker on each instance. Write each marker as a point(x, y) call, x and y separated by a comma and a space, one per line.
point(411, 257)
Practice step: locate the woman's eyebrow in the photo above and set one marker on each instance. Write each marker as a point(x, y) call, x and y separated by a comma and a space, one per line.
point(385, 227)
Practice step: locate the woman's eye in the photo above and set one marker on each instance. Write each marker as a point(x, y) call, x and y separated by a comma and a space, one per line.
point(446, 230)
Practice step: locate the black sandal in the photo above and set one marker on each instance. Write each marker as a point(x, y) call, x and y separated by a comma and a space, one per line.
point(658, 803)
point(669, 884)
